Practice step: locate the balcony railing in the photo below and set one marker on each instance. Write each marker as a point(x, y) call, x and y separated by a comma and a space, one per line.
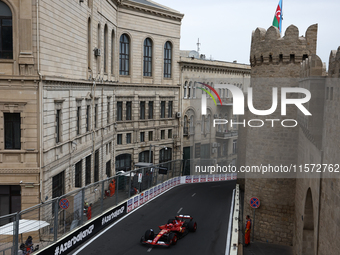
point(226, 135)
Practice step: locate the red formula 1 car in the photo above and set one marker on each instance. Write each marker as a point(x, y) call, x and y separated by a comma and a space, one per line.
point(175, 229)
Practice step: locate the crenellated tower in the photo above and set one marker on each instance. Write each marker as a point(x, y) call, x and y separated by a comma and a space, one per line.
point(275, 62)
point(269, 48)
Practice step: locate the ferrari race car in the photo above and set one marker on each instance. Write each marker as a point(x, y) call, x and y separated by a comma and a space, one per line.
point(169, 233)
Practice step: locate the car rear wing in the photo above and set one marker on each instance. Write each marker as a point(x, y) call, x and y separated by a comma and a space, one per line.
point(184, 217)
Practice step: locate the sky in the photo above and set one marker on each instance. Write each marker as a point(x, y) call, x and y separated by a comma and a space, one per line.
point(224, 27)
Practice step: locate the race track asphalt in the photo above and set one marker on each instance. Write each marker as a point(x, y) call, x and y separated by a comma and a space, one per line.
point(208, 203)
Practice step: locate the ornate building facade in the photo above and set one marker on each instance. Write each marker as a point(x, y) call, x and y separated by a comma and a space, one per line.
point(87, 87)
point(202, 143)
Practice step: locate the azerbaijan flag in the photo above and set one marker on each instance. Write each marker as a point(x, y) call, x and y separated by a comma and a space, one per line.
point(277, 22)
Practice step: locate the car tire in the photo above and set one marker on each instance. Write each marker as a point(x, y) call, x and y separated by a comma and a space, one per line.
point(149, 235)
point(172, 238)
point(170, 221)
point(192, 226)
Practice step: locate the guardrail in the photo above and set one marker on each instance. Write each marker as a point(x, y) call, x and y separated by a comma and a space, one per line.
point(235, 226)
point(52, 220)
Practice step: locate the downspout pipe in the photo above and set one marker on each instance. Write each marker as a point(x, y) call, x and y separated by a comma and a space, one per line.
point(40, 103)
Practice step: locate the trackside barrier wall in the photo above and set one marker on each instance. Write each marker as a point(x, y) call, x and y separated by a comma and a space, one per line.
point(235, 228)
point(142, 198)
point(55, 219)
point(87, 231)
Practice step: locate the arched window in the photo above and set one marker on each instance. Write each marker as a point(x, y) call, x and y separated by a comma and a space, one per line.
point(207, 124)
point(167, 59)
point(189, 90)
point(185, 89)
point(6, 32)
point(112, 49)
point(144, 156)
point(147, 58)
point(98, 46)
point(185, 125)
point(165, 155)
point(89, 49)
point(191, 125)
point(123, 162)
point(124, 55)
point(105, 53)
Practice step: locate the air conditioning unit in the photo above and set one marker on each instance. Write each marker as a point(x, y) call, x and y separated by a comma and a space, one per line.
point(97, 52)
point(178, 114)
point(213, 151)
point(218, 145)
point(214, 145)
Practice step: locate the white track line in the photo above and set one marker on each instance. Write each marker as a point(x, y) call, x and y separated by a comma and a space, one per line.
point(180, 209)
point(193, 194)
point(113, 224)
point(150, 249)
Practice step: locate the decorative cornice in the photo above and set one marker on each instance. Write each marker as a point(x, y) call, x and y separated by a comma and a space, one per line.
point(166, 13)
point(215, 66)
point(19, 171)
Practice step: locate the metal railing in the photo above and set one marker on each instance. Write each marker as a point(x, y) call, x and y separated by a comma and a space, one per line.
point(48, 222)
point(228, 134)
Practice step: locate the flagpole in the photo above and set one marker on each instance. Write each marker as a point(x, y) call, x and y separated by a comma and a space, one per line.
point(281, 17)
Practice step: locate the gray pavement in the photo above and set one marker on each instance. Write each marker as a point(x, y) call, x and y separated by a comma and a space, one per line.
point(209, 204)
point(259, 248)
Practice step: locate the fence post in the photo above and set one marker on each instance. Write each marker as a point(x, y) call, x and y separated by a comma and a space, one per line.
point(152, 172)
point(167, 172)
point(129, 188)
point(55, 228)
point(173, 169)
point(148, 179)
point(183, 167)
point(140, 184)
point(82, 206)
point(16, 234)
point(102, 198)
point(117, 185)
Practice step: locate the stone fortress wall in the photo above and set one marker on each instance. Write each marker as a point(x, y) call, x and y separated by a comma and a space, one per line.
point(303, 212)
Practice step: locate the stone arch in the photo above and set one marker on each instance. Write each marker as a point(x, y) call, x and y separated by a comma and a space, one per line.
point(308, 226)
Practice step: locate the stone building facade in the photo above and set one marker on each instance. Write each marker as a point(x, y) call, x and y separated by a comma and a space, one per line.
point(275, 62)
point(19, 115)
point(302, 211)
point(96, 83)
point(204, 144)
point(317, 198)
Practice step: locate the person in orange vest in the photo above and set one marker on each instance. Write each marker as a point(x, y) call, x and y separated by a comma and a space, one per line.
point(247, 231)
point(89, 212)
point(112, 187)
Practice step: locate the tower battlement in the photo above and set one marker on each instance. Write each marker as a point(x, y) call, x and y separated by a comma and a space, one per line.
point(334, 64)
point(312, 66)
point(268, 47)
